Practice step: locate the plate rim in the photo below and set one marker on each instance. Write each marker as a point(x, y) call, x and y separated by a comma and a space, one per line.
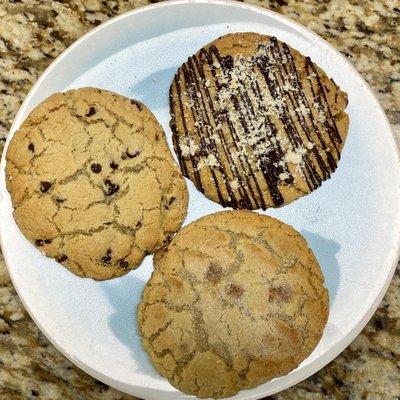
point(331, 353)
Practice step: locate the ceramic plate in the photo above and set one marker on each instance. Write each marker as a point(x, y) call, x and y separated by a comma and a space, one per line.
point(351, 223)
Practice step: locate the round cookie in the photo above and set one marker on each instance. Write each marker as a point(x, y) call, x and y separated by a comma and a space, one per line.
point(93, 183)
point(235, 299)
point(255, 123)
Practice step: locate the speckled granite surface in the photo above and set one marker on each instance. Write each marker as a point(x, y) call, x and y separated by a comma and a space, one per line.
point(33, 32)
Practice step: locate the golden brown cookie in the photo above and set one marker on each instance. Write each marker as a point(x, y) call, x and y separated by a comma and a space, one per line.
point(93, 183)
point(236, 299)
point(255, 123)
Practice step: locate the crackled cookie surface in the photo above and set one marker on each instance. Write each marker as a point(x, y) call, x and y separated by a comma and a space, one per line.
point(236, 299)
point(255, 123)
point(93, 183)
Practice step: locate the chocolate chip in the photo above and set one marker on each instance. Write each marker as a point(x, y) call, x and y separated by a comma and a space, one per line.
point(41, 242)
point(107, 258)
point(171, 200)
point(138, 225)
point(213, 273)
point(62, 258)
point(242, 203)
point(113, 165)
point(227, 62)
point(280, 294)
point(44, 186)
point(137, 104)
point(34, 393)
point(96, 168)
point(59, 200)
point(234, 290)
point(91, 112)
point(123, 264)
point(112, 188)
point(31, 147)
point(133, 154)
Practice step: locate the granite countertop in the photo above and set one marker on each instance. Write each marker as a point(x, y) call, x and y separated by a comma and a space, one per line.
point(34, 32)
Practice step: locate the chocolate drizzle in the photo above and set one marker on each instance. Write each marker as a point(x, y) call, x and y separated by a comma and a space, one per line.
point(250, 126)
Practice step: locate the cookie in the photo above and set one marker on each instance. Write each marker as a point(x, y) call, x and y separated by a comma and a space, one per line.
point(93, 183)
point(255, 123)
point(235, 299)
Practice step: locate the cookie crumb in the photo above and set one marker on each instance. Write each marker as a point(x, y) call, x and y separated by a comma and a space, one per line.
point(209, 161)
point(295, 156)
point(190, 148)
point(283, 176)
point(309, 145)
point(234, 184)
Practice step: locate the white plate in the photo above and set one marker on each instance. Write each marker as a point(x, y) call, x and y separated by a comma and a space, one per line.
point(352, 222)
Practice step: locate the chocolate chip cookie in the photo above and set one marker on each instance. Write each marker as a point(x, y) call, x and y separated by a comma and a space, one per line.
point(93, 183)
point(255, 123)
point(235, 299)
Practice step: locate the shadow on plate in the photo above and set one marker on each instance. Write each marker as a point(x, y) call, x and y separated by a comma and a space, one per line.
point(124, 295)
point(154, 89)
point(325, 250)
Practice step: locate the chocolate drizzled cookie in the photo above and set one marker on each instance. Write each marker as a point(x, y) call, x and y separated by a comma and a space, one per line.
point(255, 123)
